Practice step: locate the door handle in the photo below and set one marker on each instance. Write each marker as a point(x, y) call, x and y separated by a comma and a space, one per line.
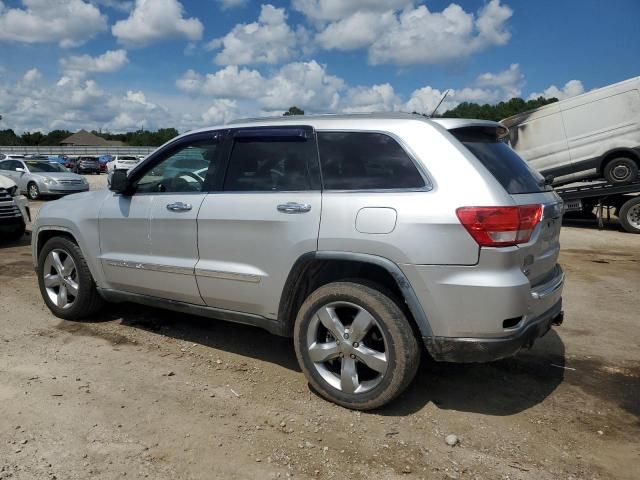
point(179, 207)
point(293, 207)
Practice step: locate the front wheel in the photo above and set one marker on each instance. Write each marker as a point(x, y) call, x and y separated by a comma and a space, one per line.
point(355, 345)
point(65, 281)
point(33, 191)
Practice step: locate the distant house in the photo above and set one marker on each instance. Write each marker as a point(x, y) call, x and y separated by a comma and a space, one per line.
point(82, 138)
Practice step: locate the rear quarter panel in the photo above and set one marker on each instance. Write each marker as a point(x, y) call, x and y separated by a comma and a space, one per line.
point(427, 229)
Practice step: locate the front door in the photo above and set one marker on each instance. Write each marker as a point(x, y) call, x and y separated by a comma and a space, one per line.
point(266, 217)
point(148, 239)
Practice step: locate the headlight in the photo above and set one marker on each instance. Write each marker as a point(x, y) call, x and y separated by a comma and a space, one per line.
point(49, 181)
point(13, 191)
point(84, 180)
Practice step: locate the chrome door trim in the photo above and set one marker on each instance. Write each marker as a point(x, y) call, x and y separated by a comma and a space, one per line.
point(151, 267)
point(241, 277)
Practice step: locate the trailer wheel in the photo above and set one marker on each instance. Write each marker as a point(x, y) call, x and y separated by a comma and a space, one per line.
point(630, 215)
point(621, 170)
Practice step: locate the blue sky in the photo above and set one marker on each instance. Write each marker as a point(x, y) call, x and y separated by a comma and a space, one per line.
point(121, 64)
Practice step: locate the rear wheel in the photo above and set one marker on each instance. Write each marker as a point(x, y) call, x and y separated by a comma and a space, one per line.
point(355, 345)
point(629, 215)
point(621, 170)
point(33, 192)
point(65, 281)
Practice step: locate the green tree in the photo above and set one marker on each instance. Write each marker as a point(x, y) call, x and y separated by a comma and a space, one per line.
point(294, 111)
point(498, 111)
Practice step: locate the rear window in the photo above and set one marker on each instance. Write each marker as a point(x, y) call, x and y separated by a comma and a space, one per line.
point(511, 171)
point(365, 161)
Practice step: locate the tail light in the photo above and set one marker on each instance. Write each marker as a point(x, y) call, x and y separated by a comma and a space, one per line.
point(500, 226)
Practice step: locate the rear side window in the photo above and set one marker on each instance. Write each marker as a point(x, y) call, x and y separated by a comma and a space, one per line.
point(511, 171)
point(365, 161)
point(264, 163)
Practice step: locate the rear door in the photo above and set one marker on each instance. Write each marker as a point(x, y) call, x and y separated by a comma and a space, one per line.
point(267, 215)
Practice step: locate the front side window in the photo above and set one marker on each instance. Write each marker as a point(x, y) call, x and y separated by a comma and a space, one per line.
point(44, 167)
point(186, 168)
point(266, 163)
point(365, 161)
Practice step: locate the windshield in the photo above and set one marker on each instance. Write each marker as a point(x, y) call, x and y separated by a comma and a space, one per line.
point(513, 173)
point(45, 167)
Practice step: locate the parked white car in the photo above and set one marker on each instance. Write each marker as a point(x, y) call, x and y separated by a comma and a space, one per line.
point(593, 135)
point(122, 162)
point(14, 210)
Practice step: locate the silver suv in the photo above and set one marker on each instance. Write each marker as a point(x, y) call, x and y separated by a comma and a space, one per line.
point(367, 238)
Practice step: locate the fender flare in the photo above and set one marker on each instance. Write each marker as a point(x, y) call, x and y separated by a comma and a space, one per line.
point(392, 268)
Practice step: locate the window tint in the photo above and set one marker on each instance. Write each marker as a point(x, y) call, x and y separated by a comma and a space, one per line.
point(44, 167)
point(183, 170)
point(271, 164)
point(513, 173)
point(365, 161)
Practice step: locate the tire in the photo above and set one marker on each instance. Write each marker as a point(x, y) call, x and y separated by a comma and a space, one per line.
point(88, 300)
point(390, 335)
point(621, 170)
point(33, 192)
point(629, 215)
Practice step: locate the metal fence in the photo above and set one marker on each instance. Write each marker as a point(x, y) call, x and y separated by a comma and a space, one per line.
point(76, 150)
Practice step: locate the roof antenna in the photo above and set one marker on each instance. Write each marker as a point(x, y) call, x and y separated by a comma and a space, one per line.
point(440, 103)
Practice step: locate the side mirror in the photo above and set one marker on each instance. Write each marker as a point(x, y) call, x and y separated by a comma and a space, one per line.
point(20, 169)
point(118, 182)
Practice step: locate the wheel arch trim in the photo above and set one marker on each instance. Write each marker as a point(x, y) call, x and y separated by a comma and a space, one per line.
point(392, 268)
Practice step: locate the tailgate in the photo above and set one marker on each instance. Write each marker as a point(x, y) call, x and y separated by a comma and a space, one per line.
point(539, 256)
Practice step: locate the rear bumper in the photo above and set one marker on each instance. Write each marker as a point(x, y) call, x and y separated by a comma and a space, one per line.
point(470, 350)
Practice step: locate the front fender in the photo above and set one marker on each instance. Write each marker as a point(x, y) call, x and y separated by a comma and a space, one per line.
point(76, 215)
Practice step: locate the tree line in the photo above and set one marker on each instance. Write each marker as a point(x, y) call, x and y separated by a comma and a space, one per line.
point(139, 138)
point(156, 138)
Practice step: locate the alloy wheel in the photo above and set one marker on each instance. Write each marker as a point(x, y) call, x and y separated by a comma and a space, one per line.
point(347, 347)
point(61, 278)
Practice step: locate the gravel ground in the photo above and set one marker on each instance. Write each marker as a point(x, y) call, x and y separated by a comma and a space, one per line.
point(147, 393)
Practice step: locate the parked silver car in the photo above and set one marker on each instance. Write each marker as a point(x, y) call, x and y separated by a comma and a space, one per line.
point(362, 237)
point(37, 178)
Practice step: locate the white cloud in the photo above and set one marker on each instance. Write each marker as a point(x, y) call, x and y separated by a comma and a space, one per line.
point(570, 89)
point(419, 36)
point(230, 82)
point(411, 36)
point(377, 98)
point(155, 20)
point(30, 104)
point(358, 30)
point(78, 66)
point(68, 22)
point(487, 88)
point(305, 84)
point(32, 75)
point(226, 4)
point(332, 10)
point(269, 40)
point(221, 110)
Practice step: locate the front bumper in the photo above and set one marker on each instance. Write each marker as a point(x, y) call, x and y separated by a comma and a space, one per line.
point(60, 189)
point(470, 350)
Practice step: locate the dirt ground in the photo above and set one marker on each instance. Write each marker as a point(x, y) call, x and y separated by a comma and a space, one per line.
point(144, 393)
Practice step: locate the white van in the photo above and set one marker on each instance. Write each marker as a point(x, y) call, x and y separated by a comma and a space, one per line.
point(593, 135)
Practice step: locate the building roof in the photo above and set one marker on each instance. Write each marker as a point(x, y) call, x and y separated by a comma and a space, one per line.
point(88, 139)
